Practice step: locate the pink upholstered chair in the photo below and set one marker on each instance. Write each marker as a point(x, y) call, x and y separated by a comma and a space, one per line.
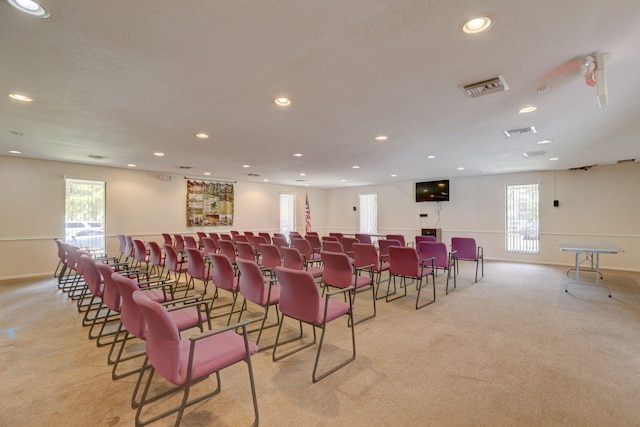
point(62, 255)
point(186, 361)
point(365, 257)
point(190, 242)
point(197, 269)
point(338, 272)
point(304, 247)
point(280, 241)
point(122, 247)
point(364, 238)
point(223, 277)
point(255, 288)
point(383, 246)
point(441, 259)
point(266, 236)
point(214, 236)
point(167, 239)
point(292, 258)
point(129, 249)
point(208, 246)
point(398, 237)
point(226, 248)
point(271, 258)
point(140, 254)
point(424, 239)
point(347, 244)
point(241, 238)
point(156, 258)
point(300, 300)
point(179, 242)
point(404, 263)
point(332, 246)
point(245, 251)
point(174, 263)
point(186, 316)
point(314, 241)
point(465, 249)
point(339, 236)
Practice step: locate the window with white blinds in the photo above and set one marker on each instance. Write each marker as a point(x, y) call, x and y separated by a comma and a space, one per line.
point(287, 213)
point(522, 222)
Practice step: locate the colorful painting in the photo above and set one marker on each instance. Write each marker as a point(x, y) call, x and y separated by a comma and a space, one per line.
point(209, 203)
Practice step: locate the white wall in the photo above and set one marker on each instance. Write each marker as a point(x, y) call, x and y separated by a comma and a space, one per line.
point(601, 203)
point(138, 203)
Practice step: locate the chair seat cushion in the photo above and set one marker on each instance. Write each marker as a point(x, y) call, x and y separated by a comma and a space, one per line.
point(213, 353)
point(188, 318)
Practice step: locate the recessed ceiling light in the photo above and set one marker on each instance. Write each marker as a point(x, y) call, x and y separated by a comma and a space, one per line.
point(381, 138)
point(303, 174)
point(554, 158)
point(282, 101)
point(202, 135)
point(460, 168)
point(527, 109)
point(15, 152)
point(477, 24)
point(355, 167)
point(131, 165)
point(393, 175)
point(207, 173)
point(297, 154)
point(20, 97)
point(431, 157)
point(343, 180)
point(266, 180)
point(158, 154)
point(545, 141)
point(30, 7)
point(246, 166)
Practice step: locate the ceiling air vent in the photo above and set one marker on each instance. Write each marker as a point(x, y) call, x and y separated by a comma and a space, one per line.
point(185, 167)
point(521, 131)
point(253, 174)
point(96, 157)
point(473, 90)
point(627, 161)
point(534, 153)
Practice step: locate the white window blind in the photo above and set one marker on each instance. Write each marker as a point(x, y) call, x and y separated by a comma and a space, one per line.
point(287, 213)
point(369, 213)
point(523, 226)
point(85, 213)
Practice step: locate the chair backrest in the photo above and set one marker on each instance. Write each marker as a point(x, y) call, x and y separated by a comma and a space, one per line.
point(179, 242)
point(225, 236)
point(162, 339)
point(466, 248)
point(240, 238)
point(91, 275)
point(171, 258)
point(209, 246)
point(155, 254)
point(271, 257)
point(339, 236)
point(364, 238)
point(139, 250)
point(128, 248)
point(61, 252)
point(223, 274)
point(201, 234)
point(398, 237)
point(110, 295)
point(347, 244)
point(403, 261)
point(245, 251)
point(195, 263)
point(130, 315)
point(280, 241)
point(337, 269)
point(226, 248)
point(251, 282)
point(365, 254)
point(314, 241)
point(292, 258)
point(294, 235)
point(312, 233)
point(303, 246)
point(330, 238)
point(332, 246)
point(167, 239)
point(437, 250)
point(420, 239)
point(122, 244)
point(214, 236)
point(234, 233)
point(190, 242)
point(249, 234)
point(384, 244)
point(279, 235)
point(299, 295)
point(256, 241)
point(266, 236)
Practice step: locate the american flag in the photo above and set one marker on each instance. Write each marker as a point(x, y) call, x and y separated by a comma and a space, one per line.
point(307, 214)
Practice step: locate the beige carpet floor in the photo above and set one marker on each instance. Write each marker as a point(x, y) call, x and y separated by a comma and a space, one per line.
point(511, 350)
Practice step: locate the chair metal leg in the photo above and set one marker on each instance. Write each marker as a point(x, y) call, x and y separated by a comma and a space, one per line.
point(420, 286)
point(314, 375)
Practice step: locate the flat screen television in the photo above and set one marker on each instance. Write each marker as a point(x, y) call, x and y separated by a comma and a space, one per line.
point(432, 191)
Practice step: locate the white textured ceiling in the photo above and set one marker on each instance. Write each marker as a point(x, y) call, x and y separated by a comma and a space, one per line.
point(123, 79)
